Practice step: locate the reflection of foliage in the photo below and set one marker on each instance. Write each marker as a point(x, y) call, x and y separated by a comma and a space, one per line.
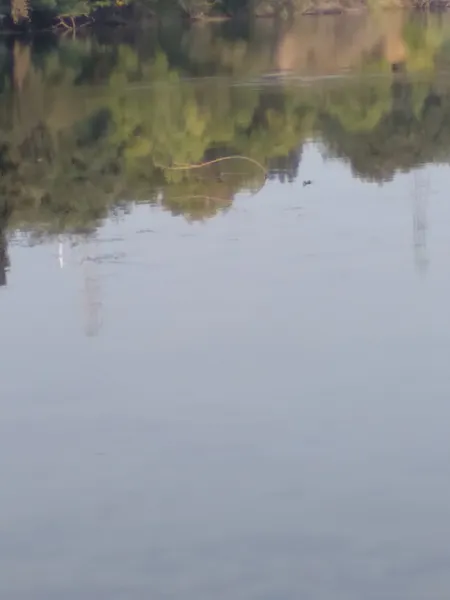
point(422, 41)
point(405, 136)
point(359, 107)
point(88, 126)
point(4, 260)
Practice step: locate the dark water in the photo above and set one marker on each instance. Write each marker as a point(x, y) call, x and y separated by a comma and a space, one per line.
point(226, 382)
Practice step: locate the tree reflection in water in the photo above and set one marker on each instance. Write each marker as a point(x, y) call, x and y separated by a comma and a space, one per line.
point(89, 124)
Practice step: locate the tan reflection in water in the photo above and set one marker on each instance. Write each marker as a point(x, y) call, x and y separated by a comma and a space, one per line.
point(331, 45)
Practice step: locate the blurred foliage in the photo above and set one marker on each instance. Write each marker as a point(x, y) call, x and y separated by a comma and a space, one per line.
point(89, 124)
point(71, 14)
point(40, 13)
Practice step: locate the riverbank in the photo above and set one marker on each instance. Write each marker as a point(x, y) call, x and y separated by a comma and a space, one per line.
point(24, 16)
point(88, 14)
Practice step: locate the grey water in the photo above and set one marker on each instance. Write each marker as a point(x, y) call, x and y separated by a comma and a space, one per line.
point(232, 381)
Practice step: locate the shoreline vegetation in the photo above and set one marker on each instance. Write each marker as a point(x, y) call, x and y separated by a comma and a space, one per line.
point(26, 16)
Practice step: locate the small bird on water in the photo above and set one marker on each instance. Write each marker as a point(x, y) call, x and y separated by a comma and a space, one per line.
point(307, 182)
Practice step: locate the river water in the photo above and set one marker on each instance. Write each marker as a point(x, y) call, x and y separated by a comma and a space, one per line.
point(229, 381)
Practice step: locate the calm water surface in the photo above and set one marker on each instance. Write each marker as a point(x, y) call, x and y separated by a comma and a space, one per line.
point(225, 382)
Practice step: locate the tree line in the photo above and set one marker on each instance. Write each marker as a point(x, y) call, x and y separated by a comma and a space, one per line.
point(73, 14)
